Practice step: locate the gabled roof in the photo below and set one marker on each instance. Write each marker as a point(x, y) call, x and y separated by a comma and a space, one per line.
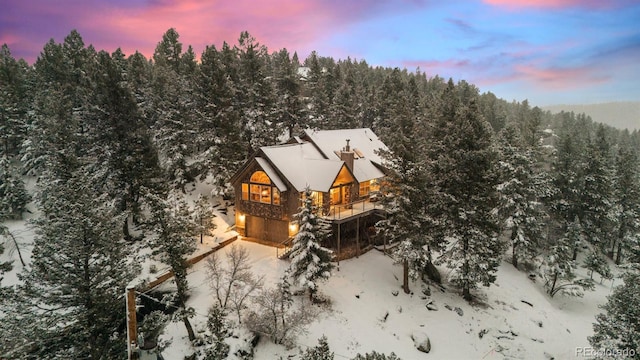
point(364, 143)
point(303, 165)
point(313, 160)
point(363, 140)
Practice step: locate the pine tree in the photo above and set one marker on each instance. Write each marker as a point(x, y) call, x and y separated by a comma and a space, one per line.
point(219, 329)
point(172, 107)
point(310, 262)
point(597, 196)
point(59, 134)
point(464, 207)
point(174, 228)
point(14, 102)
point(559, 266)
point(406, 221)
point(70, 302)
point(521, 193)
point(13, 195)
point(288, 106)
point(627, 190)
point(568, 172)
point(219, 124)
point(5, 266)
point(204, 215)
point(596, 262)
point(260, 126)
point(617, 330)
point(127, 161)
point(318, 352)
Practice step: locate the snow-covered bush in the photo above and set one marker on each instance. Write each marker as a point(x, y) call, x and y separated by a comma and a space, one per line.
point(276, 316)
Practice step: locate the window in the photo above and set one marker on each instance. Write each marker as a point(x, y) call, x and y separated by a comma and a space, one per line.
point(255, 192)
point(245, 191)
point(265, 194)
point(260, 177)
point(260, 190)
point(365, 188)
point(336, 195)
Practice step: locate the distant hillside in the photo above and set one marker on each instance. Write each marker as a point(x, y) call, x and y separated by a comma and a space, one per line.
point(621, 115)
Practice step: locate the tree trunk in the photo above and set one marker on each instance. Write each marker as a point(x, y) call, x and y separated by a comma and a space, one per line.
point(553, 284)
point(125, 229)
point(466, 293)
point(187, 324)
point(405, 276)
point(514, 258)
point(575, 252)
point(619, 253)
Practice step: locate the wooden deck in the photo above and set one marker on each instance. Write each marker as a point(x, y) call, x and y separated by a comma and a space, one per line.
point(351, 211)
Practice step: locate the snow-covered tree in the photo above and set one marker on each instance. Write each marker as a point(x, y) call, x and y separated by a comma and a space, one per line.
point(204, 216)
point(310, 262)
point(218, 137)
point(407, 183)
point(126, 160)
point(70, 302)
point(521, 190)
point(173, 240)
point(597, 195)
point(173, 109)
point(14, 101)
point(4, 265)
point(596, 262)
point(617, 329)
point(13, 195)
point(318, 352)
point(234, 283)
point(568, 172)
point(218, 328)
point(256, 96)
point(559, 266)
point(627, 209)
point(465, 204)
point(276, 315)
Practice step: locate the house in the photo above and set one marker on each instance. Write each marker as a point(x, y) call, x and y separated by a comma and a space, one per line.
point(342, 168)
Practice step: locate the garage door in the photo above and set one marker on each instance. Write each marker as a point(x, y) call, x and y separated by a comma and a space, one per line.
point(266, 229)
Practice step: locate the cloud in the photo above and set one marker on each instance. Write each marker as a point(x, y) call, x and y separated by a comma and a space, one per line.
point(139, 24)
point(558, 4)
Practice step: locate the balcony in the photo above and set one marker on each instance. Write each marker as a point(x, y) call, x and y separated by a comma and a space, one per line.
point(344, 212)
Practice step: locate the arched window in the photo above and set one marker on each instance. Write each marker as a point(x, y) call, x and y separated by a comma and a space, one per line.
point(260, 177)
point(259, 189)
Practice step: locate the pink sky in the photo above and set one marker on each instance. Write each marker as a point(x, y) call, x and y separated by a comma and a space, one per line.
point(547, 51)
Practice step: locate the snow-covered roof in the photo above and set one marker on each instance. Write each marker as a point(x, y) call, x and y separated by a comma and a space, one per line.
point(313, 160)
point(360, 140)
point(364, 143)
point(303, 165)
point(273, 175)
point(364, 170)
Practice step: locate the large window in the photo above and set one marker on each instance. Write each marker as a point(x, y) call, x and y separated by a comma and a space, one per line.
point(260, 190)
point(365, 188)
point(245, 191)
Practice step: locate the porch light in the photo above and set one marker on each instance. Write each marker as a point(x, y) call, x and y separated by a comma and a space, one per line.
point(241, 218)
point(293, 227)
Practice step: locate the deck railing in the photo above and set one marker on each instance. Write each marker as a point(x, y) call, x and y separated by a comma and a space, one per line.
point(343, 211)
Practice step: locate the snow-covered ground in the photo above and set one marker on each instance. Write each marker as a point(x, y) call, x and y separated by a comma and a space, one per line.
point(364, 291)
point(369, 311)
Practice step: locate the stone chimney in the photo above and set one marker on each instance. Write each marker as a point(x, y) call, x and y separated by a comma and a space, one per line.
point(347, 156)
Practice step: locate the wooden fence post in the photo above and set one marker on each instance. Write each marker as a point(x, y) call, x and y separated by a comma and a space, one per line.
point(132, 326)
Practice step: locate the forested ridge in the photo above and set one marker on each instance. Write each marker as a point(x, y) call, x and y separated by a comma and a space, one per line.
point(114, 139)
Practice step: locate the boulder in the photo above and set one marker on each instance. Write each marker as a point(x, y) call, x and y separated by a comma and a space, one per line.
point(431, 306)
point(421, 341)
